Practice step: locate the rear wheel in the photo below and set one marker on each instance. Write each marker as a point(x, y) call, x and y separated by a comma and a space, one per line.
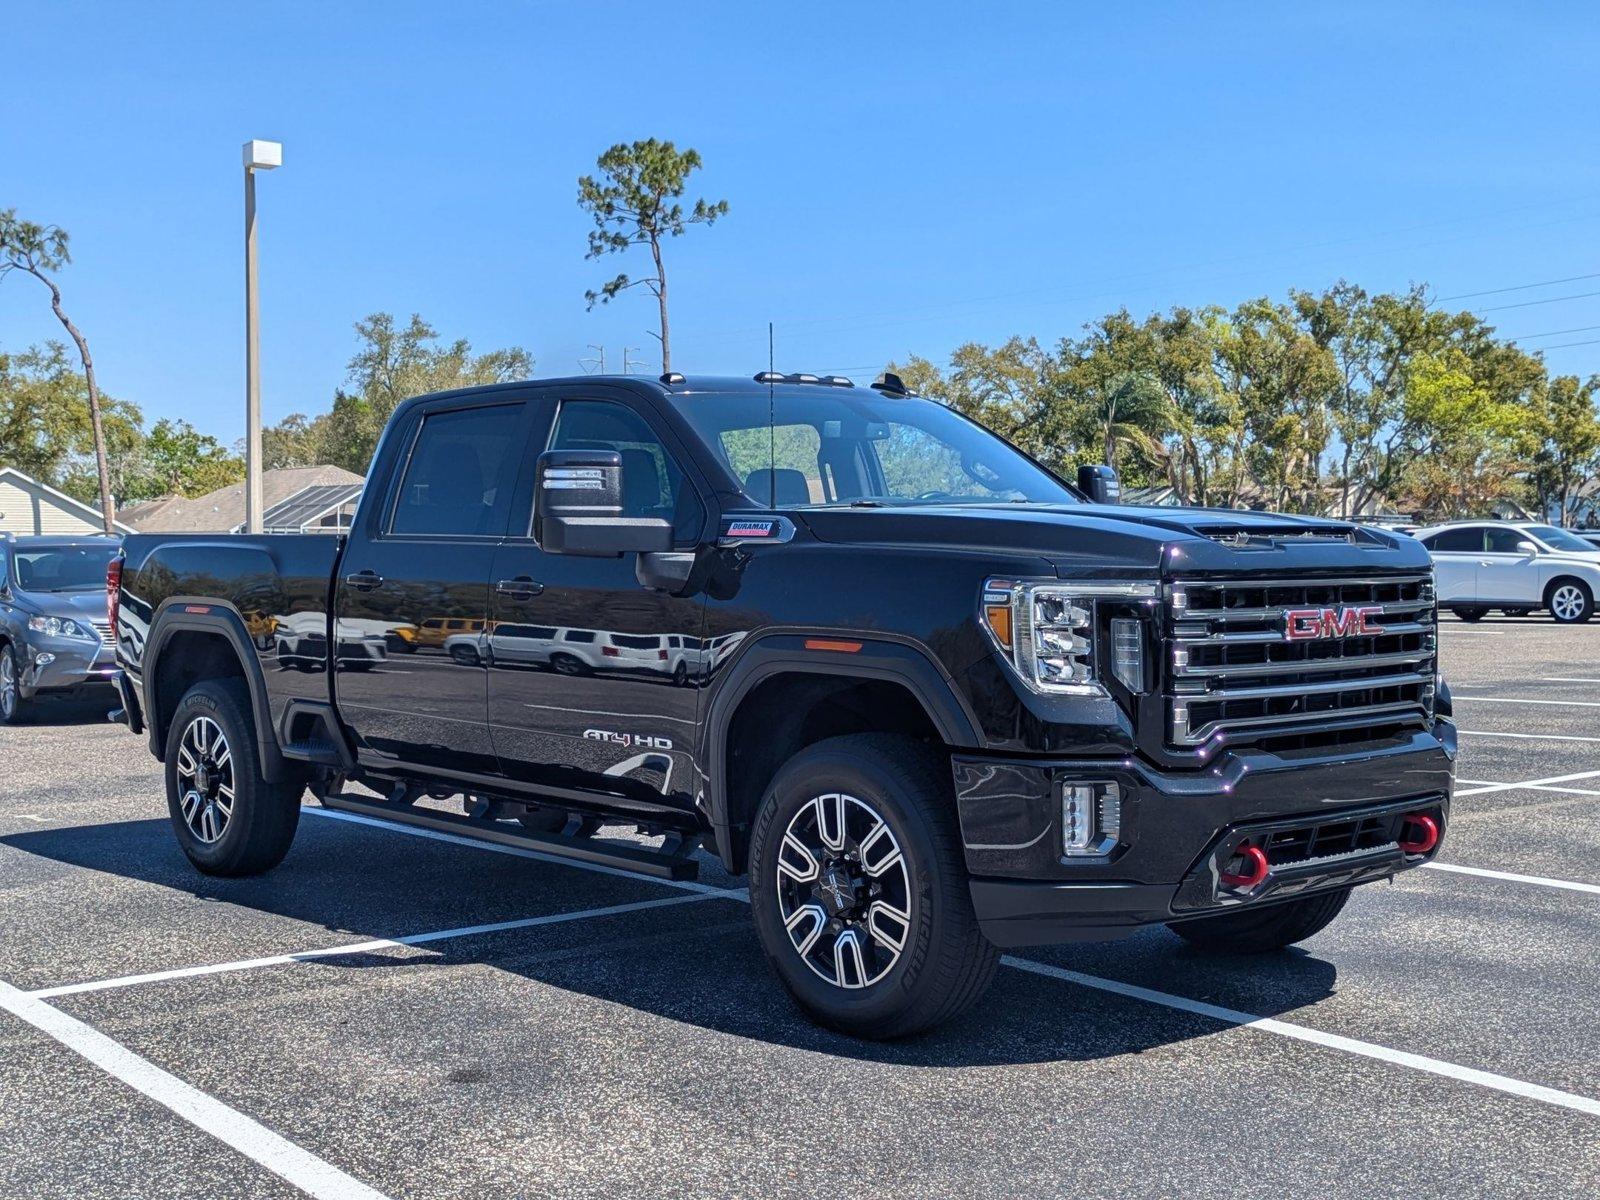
point(1570, 601)
point(566, 664)
point(13, 708)
point(859, 888)
point(229, 820)
point(1469, 613)
point(1270, 927)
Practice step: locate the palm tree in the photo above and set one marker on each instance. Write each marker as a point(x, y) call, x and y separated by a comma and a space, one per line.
point(1133, 412)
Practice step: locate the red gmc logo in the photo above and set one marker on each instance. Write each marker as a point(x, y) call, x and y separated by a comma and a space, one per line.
point(1302, 624)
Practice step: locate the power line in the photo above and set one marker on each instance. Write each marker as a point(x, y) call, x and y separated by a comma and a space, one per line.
point(1531, 303)
point(1565, 345)
point(1520, 287)
point(1528, 337)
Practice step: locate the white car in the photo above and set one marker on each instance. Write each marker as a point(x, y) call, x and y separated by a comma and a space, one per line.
point(1515, 566)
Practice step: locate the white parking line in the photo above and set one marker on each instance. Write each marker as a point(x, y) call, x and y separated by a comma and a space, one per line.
point(1563, 884)
point(1526, 783)
point(1334, 1041)
point(412, 939)
point(1515, 700)
point(1567, 679)
point(255, 1141)
point(1532, 787)
point(1531, 737)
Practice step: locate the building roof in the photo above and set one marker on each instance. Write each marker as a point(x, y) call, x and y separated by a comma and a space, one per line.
point(223, 509)
point(309, 505)
point(87, 512)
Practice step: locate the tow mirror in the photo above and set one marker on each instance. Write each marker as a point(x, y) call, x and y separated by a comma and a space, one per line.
point(577, 507)
point(1100, 484)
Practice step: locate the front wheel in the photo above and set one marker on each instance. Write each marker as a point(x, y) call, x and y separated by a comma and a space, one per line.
point(229, 820)
point(859, 888)
point(1570, 601)
point(1270, 927)
point(13, 708)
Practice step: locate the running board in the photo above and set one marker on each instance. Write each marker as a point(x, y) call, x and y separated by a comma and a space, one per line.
point(624, 856)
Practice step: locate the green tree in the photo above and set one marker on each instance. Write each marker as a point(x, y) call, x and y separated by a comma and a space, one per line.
point(42, 251)
point(634, 202)
point(177, 459)
point(392, 362)
point(1567, 432)
point(45, 427)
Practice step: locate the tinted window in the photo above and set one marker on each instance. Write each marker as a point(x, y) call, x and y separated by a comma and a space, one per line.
point(1559, 539)
point(1468, 541)
point(1504, 541)
point(652, 483)
point(578, 635)
point(633, 641)
point(454, 482)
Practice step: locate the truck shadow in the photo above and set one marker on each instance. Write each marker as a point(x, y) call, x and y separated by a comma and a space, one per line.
point(695, 964)
point(90, 708)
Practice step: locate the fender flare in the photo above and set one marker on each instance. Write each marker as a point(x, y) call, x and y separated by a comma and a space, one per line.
point(887, 657)
point(178, 614)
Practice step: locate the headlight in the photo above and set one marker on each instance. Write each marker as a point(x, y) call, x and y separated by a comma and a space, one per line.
point(1047, 632)
point(62, 627)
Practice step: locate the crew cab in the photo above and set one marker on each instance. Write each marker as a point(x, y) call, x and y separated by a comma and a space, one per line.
point(933, 700)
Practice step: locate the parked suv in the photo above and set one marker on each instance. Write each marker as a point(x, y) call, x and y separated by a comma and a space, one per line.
point(1515, 566)
point(54, 635)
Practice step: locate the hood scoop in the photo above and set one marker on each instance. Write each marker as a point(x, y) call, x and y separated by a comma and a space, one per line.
point(1270, 537)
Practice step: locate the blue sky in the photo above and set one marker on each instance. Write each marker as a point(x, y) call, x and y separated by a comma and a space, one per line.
point(902, 177)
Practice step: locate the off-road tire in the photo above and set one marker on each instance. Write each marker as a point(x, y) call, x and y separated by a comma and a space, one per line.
point(265, 815)
point(946, 963)
point(1270, 927)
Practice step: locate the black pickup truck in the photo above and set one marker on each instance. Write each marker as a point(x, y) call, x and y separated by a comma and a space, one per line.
point(933, 700)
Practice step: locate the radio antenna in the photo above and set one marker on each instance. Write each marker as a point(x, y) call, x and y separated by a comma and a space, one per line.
point(772, 420)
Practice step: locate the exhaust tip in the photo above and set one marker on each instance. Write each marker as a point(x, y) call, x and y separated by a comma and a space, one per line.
point(1419, 833)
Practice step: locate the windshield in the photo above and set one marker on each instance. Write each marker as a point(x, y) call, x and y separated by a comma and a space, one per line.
point(1560, 539)
point(862, 448)
point(63, 568)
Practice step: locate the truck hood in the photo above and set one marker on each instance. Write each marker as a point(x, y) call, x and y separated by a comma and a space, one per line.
point(1092, 539)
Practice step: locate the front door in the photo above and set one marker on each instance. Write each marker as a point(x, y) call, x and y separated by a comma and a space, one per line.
point(591, 685)
point(1506, 572)
point(412, 605)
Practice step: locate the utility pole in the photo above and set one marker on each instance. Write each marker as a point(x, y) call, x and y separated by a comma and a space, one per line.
point(258, 156)
point(599, 359)
point(627, 367)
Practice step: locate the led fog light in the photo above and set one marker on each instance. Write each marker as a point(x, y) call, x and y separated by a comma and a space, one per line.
point(1091, 818)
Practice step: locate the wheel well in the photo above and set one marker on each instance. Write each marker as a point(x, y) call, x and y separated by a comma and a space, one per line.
point(188, 657)
point(1550, 588)
point(787, 712)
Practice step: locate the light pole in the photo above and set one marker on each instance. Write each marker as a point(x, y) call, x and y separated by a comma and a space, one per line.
point(258, 156)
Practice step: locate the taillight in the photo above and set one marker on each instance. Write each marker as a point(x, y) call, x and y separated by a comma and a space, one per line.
point(113, 592)
point(662, 655)
point(610, 652)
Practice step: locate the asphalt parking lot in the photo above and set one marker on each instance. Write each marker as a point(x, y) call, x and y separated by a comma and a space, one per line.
point(391, 1013)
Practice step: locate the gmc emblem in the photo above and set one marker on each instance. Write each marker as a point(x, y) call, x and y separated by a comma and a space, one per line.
point(1301, 624)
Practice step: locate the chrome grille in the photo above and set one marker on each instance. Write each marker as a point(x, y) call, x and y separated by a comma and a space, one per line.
point(103, 628)
point(1231, 665)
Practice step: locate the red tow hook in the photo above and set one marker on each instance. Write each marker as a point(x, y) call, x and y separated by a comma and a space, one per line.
point(1256, 868)
point(1419, 833)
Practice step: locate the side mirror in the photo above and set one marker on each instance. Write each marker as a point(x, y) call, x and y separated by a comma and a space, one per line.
point(577, 507)
point(1100, 484)
point(1527, 547)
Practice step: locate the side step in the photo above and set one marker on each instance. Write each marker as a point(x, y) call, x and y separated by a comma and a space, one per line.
point(625, 856)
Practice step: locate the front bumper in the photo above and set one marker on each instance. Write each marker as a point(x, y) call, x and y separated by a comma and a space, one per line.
point(1180, 829)
point(59, 664)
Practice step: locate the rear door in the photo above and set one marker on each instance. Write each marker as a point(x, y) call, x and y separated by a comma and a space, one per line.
point(1455, 555)
point(599, 706)
point(1505, 572)
point(420, 558)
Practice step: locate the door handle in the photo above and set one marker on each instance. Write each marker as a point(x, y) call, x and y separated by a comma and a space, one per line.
point(364, 581)
point(520, 586)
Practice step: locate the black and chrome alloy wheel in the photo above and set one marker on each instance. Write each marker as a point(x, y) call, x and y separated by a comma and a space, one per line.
point(205, 780)
point(844, 893)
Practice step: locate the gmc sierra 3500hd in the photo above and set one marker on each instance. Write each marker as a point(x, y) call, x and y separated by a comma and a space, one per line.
point(933, 700)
